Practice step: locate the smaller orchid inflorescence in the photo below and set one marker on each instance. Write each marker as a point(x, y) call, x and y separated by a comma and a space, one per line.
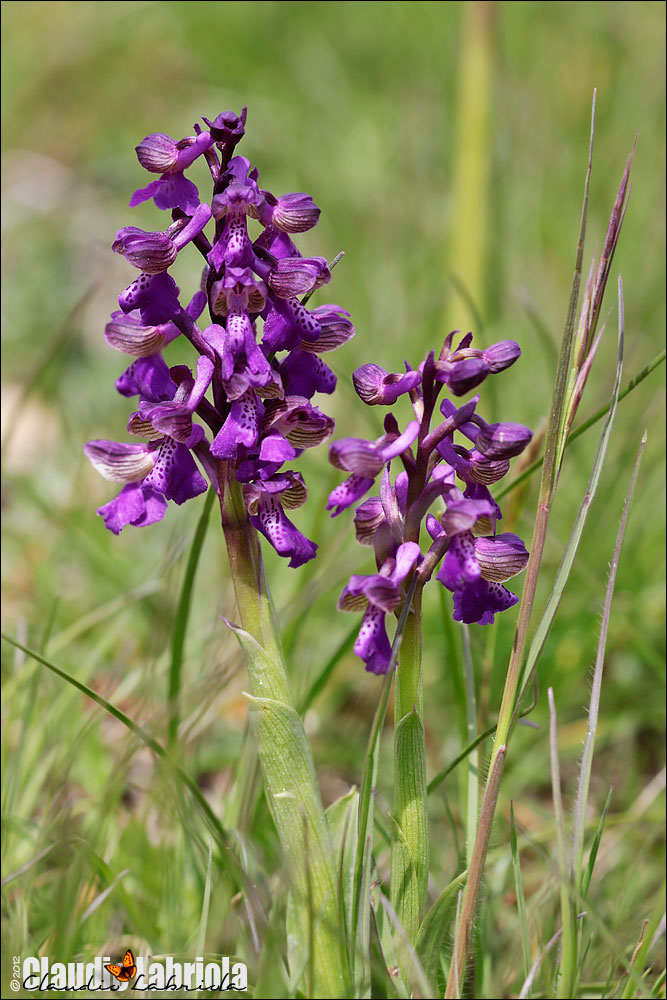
point(260, 415)
point(475, 559)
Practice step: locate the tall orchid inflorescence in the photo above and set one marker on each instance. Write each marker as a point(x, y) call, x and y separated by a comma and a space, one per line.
point(261, 381)
point(474, 559)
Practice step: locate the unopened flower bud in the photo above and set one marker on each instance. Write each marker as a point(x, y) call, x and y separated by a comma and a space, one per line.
point(374, 385)
point(502, 440)
point(501, 355)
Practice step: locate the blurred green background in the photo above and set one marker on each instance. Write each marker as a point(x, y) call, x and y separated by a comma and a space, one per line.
point(446, 146)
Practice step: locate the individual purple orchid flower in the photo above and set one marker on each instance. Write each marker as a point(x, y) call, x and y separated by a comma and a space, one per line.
point(374, 385)
point(379, 594)
point(466, 367)
point(154, 253)
point(365, 460)
point(162, 155)
point(152, 473)
point(266, 501)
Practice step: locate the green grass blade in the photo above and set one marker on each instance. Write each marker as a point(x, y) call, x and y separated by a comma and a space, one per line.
point(200, 944)
point(595, 846)
point(568, 958)
point(212, 821)
point(640, 954)
point(436, 925)
point(520, 897)
point(446, 771)
point(549, 613)
point(182, 617)
point(587, 424)
point(364, 846)
point(329, 667)
point(473, 757)
point(586, 767)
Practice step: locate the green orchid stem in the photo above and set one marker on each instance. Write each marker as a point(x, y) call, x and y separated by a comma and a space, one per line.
point(410, 850)
point(289, 775)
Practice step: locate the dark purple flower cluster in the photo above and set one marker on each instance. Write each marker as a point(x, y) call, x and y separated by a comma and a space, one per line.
point(261, 379)
point(474, 560)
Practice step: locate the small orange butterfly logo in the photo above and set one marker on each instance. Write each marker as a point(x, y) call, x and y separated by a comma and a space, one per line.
point(126, 971)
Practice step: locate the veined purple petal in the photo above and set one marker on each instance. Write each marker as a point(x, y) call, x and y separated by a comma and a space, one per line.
point(501, 355)
point(356, 455)
point(367, 517)
point(157, 152)
point(293, 213)
point(120, 462)
point(336, 329)
point(293, 276)
point(501, 557)
point(152, 253)
point(126, 334)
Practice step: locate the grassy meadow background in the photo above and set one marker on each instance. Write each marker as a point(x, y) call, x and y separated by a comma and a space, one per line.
point(446, 146)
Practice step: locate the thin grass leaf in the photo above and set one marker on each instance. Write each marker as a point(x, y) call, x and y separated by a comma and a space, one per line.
point(28, 865)
point(535, 967)
point(212, 821)
point(640, 954)
point(586, 766)
point(587, 424)
point(182, 617)
point(568, 963)
point(342, 820)
point(98, 615)
point(549, 613)
point(417, 974)
point(659, 985)
point(436, 925)
point(62, 337)
point(446, 771)
point(473, 758)
point(200, 941)
point(520, 897)
point(465, 913)
point(364, 847)
point(96, 903)
point(595, 846)
point(329, 667)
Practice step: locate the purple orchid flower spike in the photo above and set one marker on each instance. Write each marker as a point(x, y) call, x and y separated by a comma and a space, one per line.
point(473, 560)
point(258, 353)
